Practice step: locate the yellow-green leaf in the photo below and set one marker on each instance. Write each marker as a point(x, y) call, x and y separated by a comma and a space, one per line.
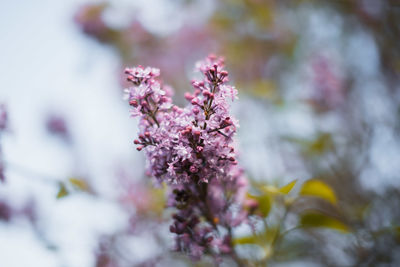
point(322, 144)
point(317, 219)
point(157, 200)
point(263, 239)
point(270, 189)
point(79, 184)
point(287, 188)
point(62, 191)
point(264, 88)
point(318, 146)
point(317, 188)
point(250, 239)
point(264, 203)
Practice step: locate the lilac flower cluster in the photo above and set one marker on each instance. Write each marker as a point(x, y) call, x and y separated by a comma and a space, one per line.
point(191, 149)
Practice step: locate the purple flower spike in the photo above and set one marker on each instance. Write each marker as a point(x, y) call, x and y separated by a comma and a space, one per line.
point(191, 149)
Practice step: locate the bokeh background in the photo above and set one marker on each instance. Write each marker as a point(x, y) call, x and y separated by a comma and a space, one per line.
point(319, 98)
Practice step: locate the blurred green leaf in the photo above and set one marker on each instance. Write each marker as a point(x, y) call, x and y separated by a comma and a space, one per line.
point(287, 188)
point(62, 191)
point(264, 88)
point(317, 219)
point(317, 188)
point(317, 146)
point(263, 15)
point(322, 144)
point(79, 184)
point(263, 239)
point(264, 203)
point(250, 239)
point(270, 189)
point(158, 200)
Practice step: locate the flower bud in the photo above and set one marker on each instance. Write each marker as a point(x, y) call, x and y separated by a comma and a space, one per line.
point(206, 93)
point(164, 99)
point(193, 169)
point(196, 134)
point(188, 96)
point(195, 101)
point(212, 57)
point(144, 104)
point(128, 70)
point(196, 110)
point(197, 92)
point(133, 103)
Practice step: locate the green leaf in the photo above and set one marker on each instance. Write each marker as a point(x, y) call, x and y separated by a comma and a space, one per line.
point(157, 203)
point(79, 184)
point(317, 219)
point(264, 88)
point(322, 144)
point(287, 188)
point(62, 191)
point(263, 239)
point(250, 239)
point(264, 203)
point(317, 188)
point(270, 189)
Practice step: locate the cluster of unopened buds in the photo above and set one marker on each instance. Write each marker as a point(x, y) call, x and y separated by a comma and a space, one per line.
point(191, 149)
